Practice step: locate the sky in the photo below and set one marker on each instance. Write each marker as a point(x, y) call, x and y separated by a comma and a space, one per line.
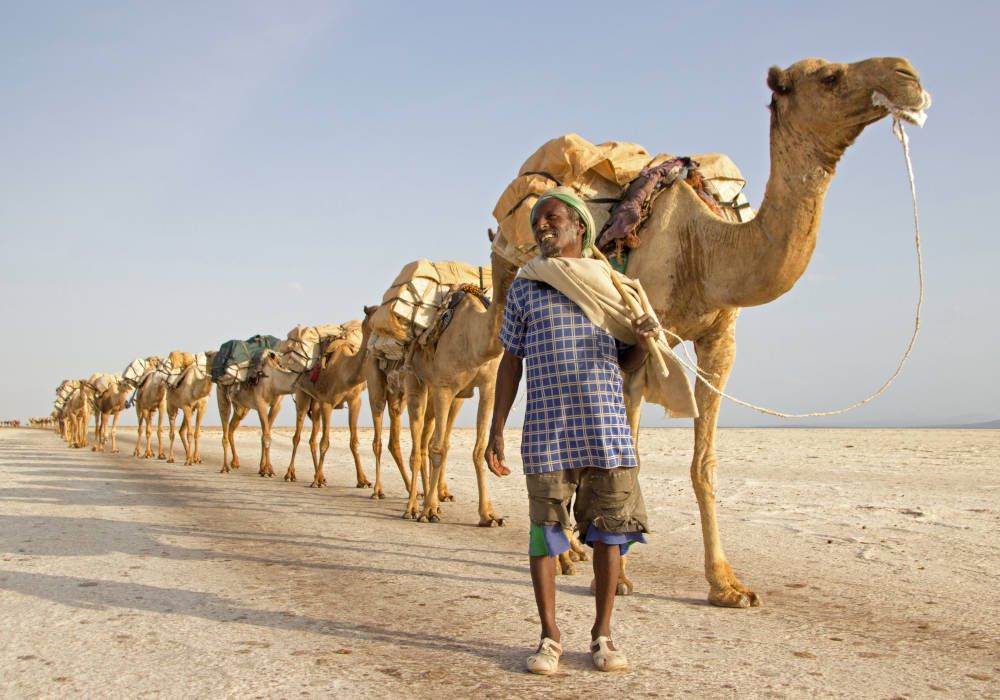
point(178, 174)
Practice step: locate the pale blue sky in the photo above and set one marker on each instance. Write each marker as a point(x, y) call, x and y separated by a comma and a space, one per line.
point(178, 174)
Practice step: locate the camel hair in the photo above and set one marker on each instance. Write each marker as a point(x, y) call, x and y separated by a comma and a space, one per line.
point(699, 269)
point(339, 381)
point(111, 402)
point(264, 396)
point(189, 395)
point(150, 399)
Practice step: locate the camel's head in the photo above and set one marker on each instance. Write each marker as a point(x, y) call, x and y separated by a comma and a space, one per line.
point(830, 103)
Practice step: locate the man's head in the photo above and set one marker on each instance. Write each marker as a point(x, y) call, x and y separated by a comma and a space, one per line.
point(562, 224)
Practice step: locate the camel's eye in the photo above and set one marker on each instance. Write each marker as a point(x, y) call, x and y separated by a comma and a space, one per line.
point(831, 80)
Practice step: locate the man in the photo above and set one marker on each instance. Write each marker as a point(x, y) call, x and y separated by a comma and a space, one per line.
point(576, 444)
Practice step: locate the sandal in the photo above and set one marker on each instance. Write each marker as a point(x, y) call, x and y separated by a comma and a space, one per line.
point(545, 661)
point(605, 658)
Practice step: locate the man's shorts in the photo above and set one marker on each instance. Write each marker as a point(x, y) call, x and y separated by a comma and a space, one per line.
point(607, 507)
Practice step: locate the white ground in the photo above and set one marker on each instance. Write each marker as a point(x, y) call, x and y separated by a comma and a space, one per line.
point(876, 554)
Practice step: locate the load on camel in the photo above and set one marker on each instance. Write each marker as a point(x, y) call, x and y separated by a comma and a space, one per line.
point(149, 396)
point(110, 396)
point(248, 377)
point(699, 266)
point(327, 364)
point(189, 382)
point(410, 307)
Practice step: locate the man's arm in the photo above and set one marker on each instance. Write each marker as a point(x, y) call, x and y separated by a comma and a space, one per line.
point(646, 328)
point(508, 377)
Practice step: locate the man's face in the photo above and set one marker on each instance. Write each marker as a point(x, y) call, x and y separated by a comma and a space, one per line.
point(557, 231)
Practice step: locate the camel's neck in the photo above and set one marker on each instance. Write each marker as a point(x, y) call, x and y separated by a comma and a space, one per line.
point(756, 262)
point(491, 321)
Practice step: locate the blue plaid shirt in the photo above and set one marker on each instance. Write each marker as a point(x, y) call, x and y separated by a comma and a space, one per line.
point(575, 415)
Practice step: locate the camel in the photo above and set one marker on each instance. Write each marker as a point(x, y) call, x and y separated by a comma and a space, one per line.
point(263, 395)
point(699, 269)
point(77, 412)
point(387, 389)
point(149, 397)
point(189, 395)
point(339, 380)
point(464, 358)
point(111, 402)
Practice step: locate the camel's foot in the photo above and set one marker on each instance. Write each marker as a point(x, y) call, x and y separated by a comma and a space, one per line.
point(224, 470)
point(289, 476)
point(566, 566)
point(363, 483)
point(624, 587)
point(430, 515)
point(162, 455)
point(94, 448)
point(410, 513)
point(170, 460)
point(188, 462)
point(377, 493)
point(318, 483)
point(445, 496)
point(491, 520)
point(265, 473)
point(733, 597)
point(726, 591)
point(197, 459)
point(114, 451)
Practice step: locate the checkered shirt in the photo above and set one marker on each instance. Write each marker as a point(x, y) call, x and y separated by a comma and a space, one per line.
point(575, 415)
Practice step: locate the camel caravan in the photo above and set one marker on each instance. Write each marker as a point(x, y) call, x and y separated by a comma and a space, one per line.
point(680, 225)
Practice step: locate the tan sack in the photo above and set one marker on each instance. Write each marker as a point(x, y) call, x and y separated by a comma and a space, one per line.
point(596, 172)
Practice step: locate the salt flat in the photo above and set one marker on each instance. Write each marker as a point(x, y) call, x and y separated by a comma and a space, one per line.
point(876, 554)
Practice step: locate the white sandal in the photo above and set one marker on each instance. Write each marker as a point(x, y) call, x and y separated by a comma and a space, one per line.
point(545, 661)
point(606, 658)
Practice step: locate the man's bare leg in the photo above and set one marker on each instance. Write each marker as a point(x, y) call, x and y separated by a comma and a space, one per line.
point(607, 565)
point(543, 580)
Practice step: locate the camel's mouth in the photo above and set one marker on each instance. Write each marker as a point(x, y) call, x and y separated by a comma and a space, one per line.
point(913, 115)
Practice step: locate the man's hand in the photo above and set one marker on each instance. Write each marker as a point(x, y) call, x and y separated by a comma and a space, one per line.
point(646, 327)
point(494, 455)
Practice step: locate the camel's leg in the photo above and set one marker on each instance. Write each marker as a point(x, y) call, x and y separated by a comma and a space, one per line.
point(200, 412)
point(267, 418)
point(224, 407)
point(186, 433)
point(138, 434)
point(353, 411)
point(416, 400)
point(377, 491)
point(425, 441)
point(148, 415)
point(114, 433)
point(484, 412)
point(395, 429)
point(162, 409)
point(443, 493)
point(97, 431)
point(319, 441)
point(172, 423)
point(441, 401)
point(715, 355)
point(300, 416)
point(315, 425)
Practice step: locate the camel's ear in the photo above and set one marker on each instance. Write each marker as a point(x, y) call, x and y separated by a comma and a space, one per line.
point(369, 310)
point(778, 81)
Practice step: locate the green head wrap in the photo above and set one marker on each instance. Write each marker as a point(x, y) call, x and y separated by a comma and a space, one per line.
point(567, 196)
